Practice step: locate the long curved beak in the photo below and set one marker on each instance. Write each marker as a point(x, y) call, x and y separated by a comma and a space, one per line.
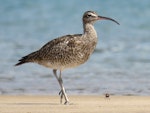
point(106, 18)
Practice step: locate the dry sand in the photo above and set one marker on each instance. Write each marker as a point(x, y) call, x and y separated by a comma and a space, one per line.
point(79, 104)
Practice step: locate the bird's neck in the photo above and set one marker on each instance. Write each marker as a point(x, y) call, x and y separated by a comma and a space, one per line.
point(89, 31)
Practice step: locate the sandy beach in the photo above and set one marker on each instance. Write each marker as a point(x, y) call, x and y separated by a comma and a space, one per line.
point(79, 104)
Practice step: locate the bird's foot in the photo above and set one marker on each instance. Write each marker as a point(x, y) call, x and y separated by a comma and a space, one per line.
point(67, 103)
point(61, 93)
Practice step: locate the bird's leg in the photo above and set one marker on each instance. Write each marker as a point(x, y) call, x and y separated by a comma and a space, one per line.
point(55, 73)
point(62, 92)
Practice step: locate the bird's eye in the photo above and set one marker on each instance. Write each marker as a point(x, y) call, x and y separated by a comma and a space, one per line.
point(89, 15)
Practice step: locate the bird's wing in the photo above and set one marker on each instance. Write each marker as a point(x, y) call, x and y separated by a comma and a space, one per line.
point(64, 40)
point(60, 46)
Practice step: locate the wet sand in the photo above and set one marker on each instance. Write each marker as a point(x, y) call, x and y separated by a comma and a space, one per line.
point(78, 104)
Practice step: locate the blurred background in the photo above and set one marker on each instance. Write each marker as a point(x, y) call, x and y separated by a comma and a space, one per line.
point(120, 64)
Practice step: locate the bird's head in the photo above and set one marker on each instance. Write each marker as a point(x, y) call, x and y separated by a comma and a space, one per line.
point(91, 17)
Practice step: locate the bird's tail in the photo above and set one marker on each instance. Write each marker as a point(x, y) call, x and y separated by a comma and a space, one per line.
point(29, 58)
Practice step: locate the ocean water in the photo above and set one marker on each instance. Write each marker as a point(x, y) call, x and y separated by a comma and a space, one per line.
point(120, 64)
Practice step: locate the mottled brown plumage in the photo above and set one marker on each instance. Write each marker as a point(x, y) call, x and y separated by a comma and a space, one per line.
point(67, 51)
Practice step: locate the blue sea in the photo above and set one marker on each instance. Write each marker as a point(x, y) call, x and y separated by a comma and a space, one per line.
point(120, 64)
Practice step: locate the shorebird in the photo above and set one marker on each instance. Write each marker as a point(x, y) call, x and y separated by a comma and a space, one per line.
point(67, 51)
